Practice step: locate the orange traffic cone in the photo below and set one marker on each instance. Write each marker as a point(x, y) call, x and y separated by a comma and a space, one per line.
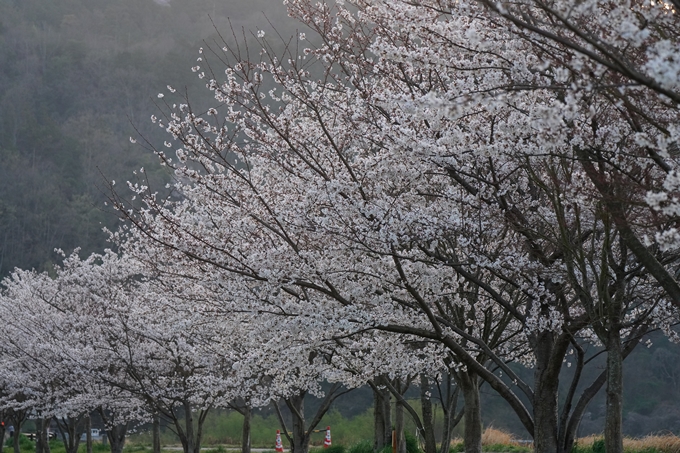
point(279, 445)
point(327, 440)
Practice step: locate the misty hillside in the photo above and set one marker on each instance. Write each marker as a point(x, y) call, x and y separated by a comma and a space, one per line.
point(76, 78)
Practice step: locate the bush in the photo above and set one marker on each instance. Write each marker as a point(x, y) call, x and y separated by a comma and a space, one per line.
point(331, 449)
point(598, 446)
point(365, 446)
point(25, 443)
point(334, 449)
point(577, 448)
point(412, 444)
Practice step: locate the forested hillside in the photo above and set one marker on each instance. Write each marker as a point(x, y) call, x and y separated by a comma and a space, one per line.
point(76, 78)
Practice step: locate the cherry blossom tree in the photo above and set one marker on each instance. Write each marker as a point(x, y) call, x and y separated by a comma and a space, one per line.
point(441, 170)
point(52, 347)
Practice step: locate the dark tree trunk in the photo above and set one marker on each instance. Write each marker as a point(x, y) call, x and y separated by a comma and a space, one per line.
point(399, 420)
point(300, 440)
point(116, 436)
point(15, 441)
point(156, 429)
point(39, 444)
point(88, 433)
point(191, 431)
point(189, 435)
point(17, 417)
point(613, 427)
point(242, 406)
point(545, 417)
point(549, 349)
point(382, 416)
point(451, 418)
point(428, 415)
point(71, 429)
point(245, 430)
point(472, 438)
point(42, 441)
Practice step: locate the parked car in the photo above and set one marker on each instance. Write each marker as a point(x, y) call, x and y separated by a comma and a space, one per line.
point(32, 436)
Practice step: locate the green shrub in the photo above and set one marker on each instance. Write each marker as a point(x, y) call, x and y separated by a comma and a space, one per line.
point(580, 449)
point(331, 449)
point(598, 446)
point(335, 449)
point(57, 446)
point(412, 444)
point(100, 447)
point(365, 446)
point(458, 448)
point(25, 443)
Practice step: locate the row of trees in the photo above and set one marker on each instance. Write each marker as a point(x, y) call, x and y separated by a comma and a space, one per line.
point(104, 336)
point(458, 185)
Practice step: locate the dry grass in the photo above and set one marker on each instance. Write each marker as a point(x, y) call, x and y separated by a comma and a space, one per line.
point(588, 441)
point(667, 443)
point(492, 436)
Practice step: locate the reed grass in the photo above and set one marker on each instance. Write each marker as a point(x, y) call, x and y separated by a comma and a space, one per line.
point(656, 443)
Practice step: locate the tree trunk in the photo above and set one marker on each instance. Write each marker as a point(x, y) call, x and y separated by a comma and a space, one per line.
point(451, 418)
point(549, 352)
point(245, 430)
point(71, 430)
point(39, 444)
point(382, 417)
point(156, 428)
point(46, 434)
point(17, 417)
point(15, 440)
point(189, 432)
point(88, 433)
point(472, 439)
point(188, 439)
point(428, 415)
point(116, 436)
point(613, 432)
point(545, 417)
point(42, 440)
point(399, 420)
point(300, 441)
